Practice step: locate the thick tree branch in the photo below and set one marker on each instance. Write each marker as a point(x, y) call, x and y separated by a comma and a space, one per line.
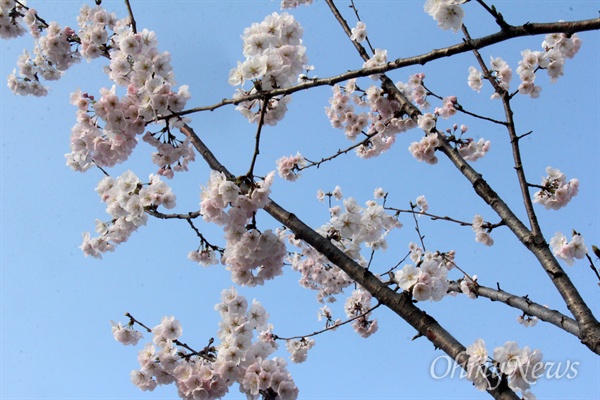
point(526, 305)
point(400, 303)
point(588, 325)
point(510, 33)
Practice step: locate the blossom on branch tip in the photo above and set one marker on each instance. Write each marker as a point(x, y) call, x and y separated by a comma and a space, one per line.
point(422, 204)
point(447, 13)
point(125, 335)
point(475, 81)
point(556, 192)
point(359, 34)
point(568, 251)
point(287, 167)
point(482, 235)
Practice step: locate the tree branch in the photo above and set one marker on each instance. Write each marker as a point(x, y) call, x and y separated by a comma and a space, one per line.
point(528, 29)
point(514, 141)
point(588, 325)
point(524, 304)
point(399, 303)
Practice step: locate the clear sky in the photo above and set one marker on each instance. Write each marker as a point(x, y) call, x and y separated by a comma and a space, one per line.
point(56, 304)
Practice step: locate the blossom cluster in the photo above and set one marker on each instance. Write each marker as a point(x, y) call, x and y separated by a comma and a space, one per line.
point(171, 155)
point(125, 334)
point(428, 279)
point(557, 47)
point(205, 256)
point(348, 229)
point(502, 72)
point(127, 199)
point(354, 225)
point(426, 282)
point(136, 63)
point(556, 192)
point(299, 349)
point(275, 57)
point(240, 359)
point(251, 256)
point(379, 126)
point(521, 366)
point(318, 273)
point(568, 250)
point(358, 305)
point(448, 13)
point(473, 151)
point(11, 19)
point(482, 235)
point(287, 167)
point(424, 150)
point(208, 374)
point(53, 54)
point(294, 3)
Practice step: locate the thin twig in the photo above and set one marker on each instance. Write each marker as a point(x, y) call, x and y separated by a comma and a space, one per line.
point(592, 266)
point(208, 353)
point(353, 6)
point(261, 122)
point(461, 109)
point(132, 19)
point(510, 126)
point(332, 327)
point(317, 164)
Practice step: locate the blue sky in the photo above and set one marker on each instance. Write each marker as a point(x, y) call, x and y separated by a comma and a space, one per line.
point(56, 304)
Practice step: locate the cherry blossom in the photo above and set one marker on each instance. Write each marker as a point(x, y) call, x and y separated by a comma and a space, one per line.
point(422, 204)
point(568, 251)
point(275, 57)
point(287, 167)
point(299, 349)
point(521, 366)
point(358, 305)
point(127, 199)
point(472, 151)
point(252, 256)
point(125, 335)
point(527, 320)
point(294, 3)
point(425, 149)
point(556, 192)
point(407, 276)
point(240, 357)
point(482, 235)
point(447, 13)
point(475, 82)
point(359, 34)
point(469, 286)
